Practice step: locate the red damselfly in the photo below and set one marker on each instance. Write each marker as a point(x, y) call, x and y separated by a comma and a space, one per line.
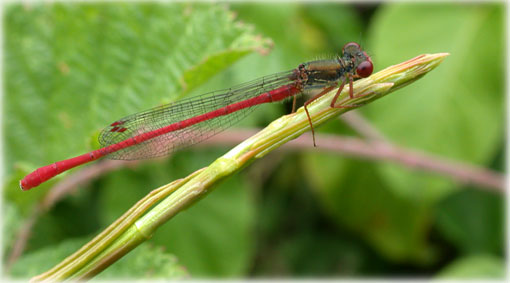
point(165, 129)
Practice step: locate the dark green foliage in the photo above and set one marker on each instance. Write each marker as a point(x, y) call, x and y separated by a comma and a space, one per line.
point(71, 69)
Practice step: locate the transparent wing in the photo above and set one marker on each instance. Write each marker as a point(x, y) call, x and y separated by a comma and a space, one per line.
point(168, 114)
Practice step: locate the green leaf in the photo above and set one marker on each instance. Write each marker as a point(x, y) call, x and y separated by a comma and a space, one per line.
point(145, 261)
point(70, 69)
point(475, 267)
point(304, 31)
point(347, 25)
point(457, 111)
point(473, 221)
point(25, 203)
point(354, 193)
point(12, 221)
point(39, 261)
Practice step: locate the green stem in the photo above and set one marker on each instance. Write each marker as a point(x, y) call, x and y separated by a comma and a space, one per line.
point(72, 264)
point(135, 226)
point(129, 240)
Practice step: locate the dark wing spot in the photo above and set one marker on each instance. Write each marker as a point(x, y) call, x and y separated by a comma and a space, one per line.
point(117, 123)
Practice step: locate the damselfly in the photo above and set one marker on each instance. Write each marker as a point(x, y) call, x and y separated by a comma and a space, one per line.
point(165, 129)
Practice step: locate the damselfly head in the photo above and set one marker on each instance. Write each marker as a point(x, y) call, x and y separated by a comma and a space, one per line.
point(352, 52)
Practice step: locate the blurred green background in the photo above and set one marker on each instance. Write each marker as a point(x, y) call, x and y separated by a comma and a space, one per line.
point(69, 70)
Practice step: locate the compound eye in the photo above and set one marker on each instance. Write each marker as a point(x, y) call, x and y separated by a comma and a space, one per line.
point(351, 47)
point(365, 69)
